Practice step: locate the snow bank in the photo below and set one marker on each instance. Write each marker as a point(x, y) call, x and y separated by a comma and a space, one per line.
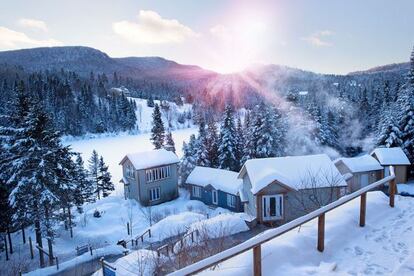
point(221, 225)
point(362, 163)
point(223, 180)
point(174, 225)
point(152, 158)
point(391, 156)
point(406, 189)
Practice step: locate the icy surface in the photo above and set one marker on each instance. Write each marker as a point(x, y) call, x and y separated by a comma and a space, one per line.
point(293, 171)
point(223, 180)
point(362, 163)
point(391, 156)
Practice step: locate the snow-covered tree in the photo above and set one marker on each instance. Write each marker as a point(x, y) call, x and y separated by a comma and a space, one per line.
point(227, 146)
point(188, 162)
point(105, 185)
point(211, 145)
point(201, 155)
point(158, 130)
point(93, 168)
point(85, 188)
point(169, 144)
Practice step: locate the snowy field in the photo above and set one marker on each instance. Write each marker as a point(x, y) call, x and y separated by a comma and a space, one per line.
point(384, 246)
point(114, 148)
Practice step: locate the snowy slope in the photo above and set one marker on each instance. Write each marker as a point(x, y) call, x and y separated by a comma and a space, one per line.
point(384, 246)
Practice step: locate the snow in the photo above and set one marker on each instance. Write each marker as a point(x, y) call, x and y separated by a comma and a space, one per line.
point(223, 180)
point(148, 159)
point(113, 149)
point(383, 246)
point(293, 171)
point(391, 156)
point(406, 189)
point(362, 163)
point(221, 225)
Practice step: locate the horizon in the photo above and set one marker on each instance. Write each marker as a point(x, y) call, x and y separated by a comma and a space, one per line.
point(322, 37)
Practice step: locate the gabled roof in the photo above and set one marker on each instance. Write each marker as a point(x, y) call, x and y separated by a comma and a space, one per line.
point(219, 179)
point(149, 159)
point(362, 163)
point(295, 172)
point(391, 156)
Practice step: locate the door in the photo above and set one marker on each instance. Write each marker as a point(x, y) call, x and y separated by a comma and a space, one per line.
point(272, 207)
point(364, 180)
point(214, 196)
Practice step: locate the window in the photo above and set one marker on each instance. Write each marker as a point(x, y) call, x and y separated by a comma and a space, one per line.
point(214, 196)
point(155, 194)
point(272, 207)
point(155, 174)
point(231, 200)
point(196, 191)
point(129, 170)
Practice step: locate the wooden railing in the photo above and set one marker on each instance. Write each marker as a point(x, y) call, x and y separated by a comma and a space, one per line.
point(256, 242)
point(141, 237)
point(169, 247)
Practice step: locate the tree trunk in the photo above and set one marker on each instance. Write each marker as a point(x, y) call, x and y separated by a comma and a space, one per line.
point(39, 243)
point(64, 215)
point(50, 247)
point(23, 235)
point(10, 241)
point(70, 222)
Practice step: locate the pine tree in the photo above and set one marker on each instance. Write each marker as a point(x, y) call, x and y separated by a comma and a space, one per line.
point(85, 190)
point(157, 131)
point(201, 155)
point(227, 146)
point(390, 136)
point(188, 162)
point(93, 167)
point(240, 141)
point(211, 145)
point(169, 145)
point(105, 184)
point(411, 72)
point(406, 125)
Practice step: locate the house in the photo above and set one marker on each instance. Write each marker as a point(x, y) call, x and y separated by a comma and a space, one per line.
point(393, 157)
point(150, 177)
point(215, 187)
point(281, 189)
point(363, 170)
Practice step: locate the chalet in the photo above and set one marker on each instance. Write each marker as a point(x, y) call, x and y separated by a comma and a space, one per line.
point(216, 187)
point(363, 170)
point(393, 157)
point(150, 177)
point(281, 189)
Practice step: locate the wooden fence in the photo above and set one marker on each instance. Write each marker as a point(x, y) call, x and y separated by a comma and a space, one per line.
point(256, 242)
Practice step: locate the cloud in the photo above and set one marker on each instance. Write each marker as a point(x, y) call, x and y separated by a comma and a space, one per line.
point(14, 39)
point(221, 32)
point(151, 28)
point(318, 39)
point(33, 24)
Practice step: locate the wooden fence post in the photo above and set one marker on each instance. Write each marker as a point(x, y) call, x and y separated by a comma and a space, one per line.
point(257, 261)
point(31, 248)
point(149, 232)
point(128, 228)
point(363, 210)
point(57, 263)
point(392, 192)
point(321, 233)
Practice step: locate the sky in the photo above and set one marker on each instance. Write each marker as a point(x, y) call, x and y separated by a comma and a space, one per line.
point(324, 36)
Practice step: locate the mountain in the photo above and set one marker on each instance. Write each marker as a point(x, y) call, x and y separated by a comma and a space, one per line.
point(389, 68)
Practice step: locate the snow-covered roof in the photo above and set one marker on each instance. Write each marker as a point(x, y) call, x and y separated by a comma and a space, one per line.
point(391, 156)
point(362, 163)
point(152, 158)
point(223, 180)
point(296, 172)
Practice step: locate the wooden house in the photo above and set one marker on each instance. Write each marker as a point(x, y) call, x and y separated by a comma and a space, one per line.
point(215, 187)
point(393, 157)
point(363, 170)
point(150, 177)
point(281, 189)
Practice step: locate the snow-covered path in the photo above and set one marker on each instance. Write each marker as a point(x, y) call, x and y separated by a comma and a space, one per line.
point(385, 246)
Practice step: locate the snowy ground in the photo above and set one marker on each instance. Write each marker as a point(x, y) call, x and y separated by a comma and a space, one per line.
point(406, 189)
point(384, 246)
point(113, 149)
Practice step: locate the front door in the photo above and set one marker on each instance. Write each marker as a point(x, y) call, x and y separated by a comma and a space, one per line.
point(214, 197)
point(272, 207)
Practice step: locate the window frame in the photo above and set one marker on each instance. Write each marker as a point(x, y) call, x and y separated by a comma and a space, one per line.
point(231, 200)
point(196, 191)
point(155, 191)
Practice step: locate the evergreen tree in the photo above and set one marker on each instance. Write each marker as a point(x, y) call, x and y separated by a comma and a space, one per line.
point(157, 131)
point(105, 184)
point(93, 167)
point(211, 145)
point(227, 146)
point(411, 72)
point(188, 162)
point(169, 145)
point(85, 190)
point(240, 140)
point(201, 155)
point(390, 136)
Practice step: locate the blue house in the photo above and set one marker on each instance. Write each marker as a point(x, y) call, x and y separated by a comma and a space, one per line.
point(216, 187)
